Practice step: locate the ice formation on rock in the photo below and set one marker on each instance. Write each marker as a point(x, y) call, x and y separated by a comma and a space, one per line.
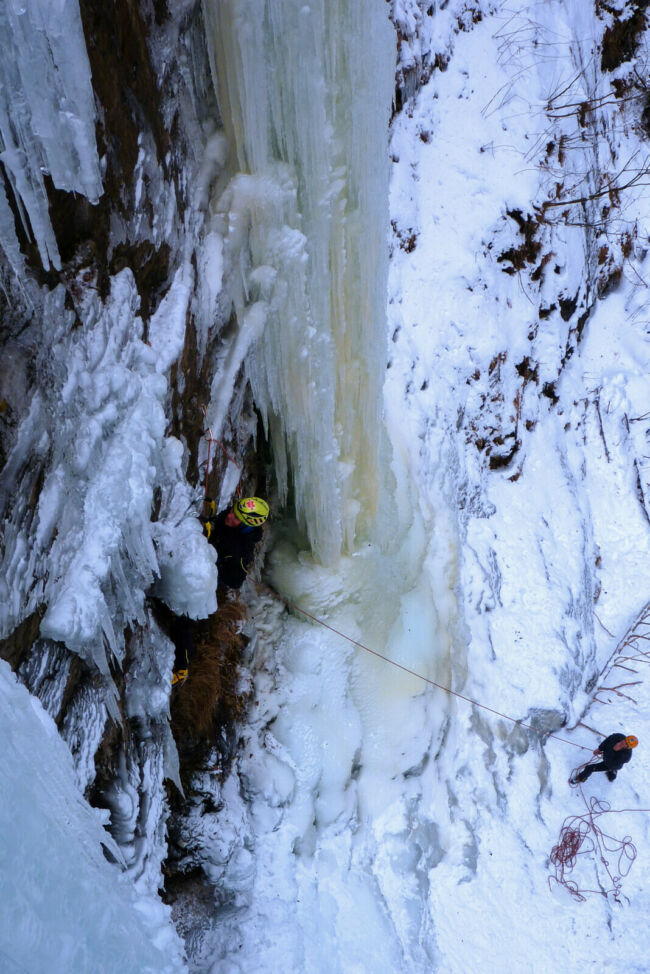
point(305, 223)
point(47, 119)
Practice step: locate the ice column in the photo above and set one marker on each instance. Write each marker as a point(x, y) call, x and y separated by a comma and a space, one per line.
point(47, 116)
point(305, 93)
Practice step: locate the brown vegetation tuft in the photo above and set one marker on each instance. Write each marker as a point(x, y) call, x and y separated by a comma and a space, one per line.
point(528, 251)
point(205, 709)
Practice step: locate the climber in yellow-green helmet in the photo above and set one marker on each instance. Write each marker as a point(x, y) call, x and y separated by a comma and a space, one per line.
point(235, 533)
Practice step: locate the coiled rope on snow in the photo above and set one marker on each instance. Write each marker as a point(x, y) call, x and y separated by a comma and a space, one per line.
point(581, 835)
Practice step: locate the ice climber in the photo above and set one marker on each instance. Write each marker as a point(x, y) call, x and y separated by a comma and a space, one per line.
point(235, 533)
point(615, 750)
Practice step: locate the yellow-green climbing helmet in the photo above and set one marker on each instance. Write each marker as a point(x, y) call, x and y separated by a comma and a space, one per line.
point(251, 510)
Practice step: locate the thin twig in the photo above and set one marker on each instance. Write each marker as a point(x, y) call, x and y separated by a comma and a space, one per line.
point(604, 627)
point(618, 686)
point(628, 668)
point(602, 431)
point(593, 731)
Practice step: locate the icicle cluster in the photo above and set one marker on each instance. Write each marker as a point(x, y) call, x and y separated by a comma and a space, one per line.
point(47, 119)
point(96, 434)
point(305, 223)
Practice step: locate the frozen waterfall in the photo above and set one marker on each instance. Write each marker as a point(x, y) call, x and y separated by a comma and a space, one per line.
point(305, 93)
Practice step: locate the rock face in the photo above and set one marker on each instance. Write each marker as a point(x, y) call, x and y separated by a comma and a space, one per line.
point(111, 332)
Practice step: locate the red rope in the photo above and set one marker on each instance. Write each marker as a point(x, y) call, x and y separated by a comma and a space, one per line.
point(232, 460)
point(580, 835)
point(405, 669)
point(210, 440)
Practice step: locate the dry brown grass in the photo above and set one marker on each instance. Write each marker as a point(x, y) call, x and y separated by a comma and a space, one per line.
point(206, 708)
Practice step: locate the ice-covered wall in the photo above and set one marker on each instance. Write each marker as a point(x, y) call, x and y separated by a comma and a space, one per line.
point(96, 439)
point(65, 908)
point(305, 93)
point(47, 118)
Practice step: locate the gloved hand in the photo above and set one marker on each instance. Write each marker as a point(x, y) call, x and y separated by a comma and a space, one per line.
point(610, 775)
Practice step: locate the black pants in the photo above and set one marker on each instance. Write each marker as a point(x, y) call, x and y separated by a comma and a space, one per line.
point(589, 770)
point(181, 634)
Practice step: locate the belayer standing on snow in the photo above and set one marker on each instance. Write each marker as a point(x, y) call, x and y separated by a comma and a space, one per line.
point(235, 533)
point(615, 750)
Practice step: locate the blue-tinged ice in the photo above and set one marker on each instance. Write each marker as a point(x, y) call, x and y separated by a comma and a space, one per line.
point(305, 224)
point(65, 907)
point(47, 117)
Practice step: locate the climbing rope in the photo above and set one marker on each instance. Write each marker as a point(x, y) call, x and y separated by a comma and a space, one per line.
point(418, 676)
point(210, 440)
point(581, 835)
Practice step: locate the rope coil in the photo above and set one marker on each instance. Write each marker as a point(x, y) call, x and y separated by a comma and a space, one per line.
point(581, 835)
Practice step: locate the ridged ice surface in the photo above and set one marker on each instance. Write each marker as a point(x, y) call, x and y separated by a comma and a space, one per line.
point(96, 433)
point(305, 220)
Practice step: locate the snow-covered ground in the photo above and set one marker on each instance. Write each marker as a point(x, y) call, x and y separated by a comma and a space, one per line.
point(450, 356)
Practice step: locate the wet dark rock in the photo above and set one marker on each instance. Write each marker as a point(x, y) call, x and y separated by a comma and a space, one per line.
point(568, 306)
point(18, 644)
point(621, 39)
point(150, 267)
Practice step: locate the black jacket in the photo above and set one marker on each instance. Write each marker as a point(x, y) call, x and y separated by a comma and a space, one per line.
point(235, 549)
point(614, 759)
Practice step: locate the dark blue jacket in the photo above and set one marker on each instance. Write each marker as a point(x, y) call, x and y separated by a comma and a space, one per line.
point(614, 759)
point(235, 549)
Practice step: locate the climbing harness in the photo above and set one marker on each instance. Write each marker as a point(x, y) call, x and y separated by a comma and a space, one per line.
point(419, 676)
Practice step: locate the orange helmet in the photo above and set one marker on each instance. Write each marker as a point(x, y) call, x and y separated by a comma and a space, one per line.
point(251, 510)
point(631, 741)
